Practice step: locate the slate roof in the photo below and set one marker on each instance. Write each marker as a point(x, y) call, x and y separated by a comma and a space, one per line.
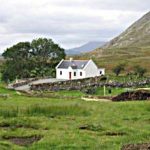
point(75, 64)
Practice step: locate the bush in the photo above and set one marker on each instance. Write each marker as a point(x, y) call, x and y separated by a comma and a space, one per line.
point(139, 71)
point(117, 70)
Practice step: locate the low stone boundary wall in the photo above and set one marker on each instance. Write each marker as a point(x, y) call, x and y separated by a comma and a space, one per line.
point(129, 84)
point(26, 81)
point(23, 82)
point(85, 83)
point(69, 84)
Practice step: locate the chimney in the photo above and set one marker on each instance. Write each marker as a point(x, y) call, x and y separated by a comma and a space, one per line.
point(71, 59)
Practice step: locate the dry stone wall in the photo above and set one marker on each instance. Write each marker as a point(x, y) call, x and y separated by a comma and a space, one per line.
point(69, 84)
point(24, 82)
point(84, 83)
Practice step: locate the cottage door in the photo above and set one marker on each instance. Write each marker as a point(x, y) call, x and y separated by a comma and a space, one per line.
point(69, 75)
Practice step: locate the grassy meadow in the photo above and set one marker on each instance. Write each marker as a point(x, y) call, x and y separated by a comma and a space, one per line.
point(71, 123)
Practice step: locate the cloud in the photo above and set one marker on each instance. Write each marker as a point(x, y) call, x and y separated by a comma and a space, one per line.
point(70, 23)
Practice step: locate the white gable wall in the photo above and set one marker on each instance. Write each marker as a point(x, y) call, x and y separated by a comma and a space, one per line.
point(91, 69)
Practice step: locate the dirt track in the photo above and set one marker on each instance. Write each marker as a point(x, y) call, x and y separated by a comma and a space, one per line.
point(95, 99)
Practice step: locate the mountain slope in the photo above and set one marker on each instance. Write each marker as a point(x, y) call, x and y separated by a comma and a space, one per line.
point(84, 48)
point(137, 35)
point(132, 48)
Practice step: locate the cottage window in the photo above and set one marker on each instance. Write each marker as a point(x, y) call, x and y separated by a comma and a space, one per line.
point(75, 74)
point(60, 72)
point(80, 73)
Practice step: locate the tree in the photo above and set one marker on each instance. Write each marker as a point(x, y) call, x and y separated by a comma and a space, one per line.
point(35, 59)
point(16, 61)
point(117, 70)
point(139, 71)
point(46, 55)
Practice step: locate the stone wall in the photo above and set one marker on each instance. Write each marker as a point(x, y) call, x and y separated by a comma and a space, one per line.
point(85, 83)
point(23, 82)
point(69, 84)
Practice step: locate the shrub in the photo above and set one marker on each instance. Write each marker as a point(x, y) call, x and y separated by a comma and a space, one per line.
point(117, 70)
point(139, 71)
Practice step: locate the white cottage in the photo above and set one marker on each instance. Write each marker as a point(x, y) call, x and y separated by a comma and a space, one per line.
point(77, 69)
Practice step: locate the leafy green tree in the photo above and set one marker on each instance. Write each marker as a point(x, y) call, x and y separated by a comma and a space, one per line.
point(46, 55)
point(139, 71)
point(35, 59)
point(117, 70)
point(16, 61)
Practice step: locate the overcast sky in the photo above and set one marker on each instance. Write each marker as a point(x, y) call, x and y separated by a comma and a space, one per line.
point(68, 22)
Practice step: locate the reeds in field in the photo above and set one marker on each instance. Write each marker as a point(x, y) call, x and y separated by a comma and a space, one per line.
point(44, 110)
point(55, 110)
point(6, 113)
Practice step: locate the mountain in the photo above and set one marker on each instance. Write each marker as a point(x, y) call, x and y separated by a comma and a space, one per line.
point(132, 47)
point(137, 35)
point(84, 48)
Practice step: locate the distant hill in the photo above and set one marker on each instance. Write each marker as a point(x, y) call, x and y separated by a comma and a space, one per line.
point(85, 48)
point(132, 47)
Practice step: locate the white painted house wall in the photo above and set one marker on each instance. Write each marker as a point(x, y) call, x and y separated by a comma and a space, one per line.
point(101, 71)
point(65, 73)
point(90, 70)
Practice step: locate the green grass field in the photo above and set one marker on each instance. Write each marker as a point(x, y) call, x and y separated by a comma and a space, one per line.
point(71, 123)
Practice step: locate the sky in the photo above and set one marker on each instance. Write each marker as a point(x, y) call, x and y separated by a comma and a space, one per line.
point(70, 23)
